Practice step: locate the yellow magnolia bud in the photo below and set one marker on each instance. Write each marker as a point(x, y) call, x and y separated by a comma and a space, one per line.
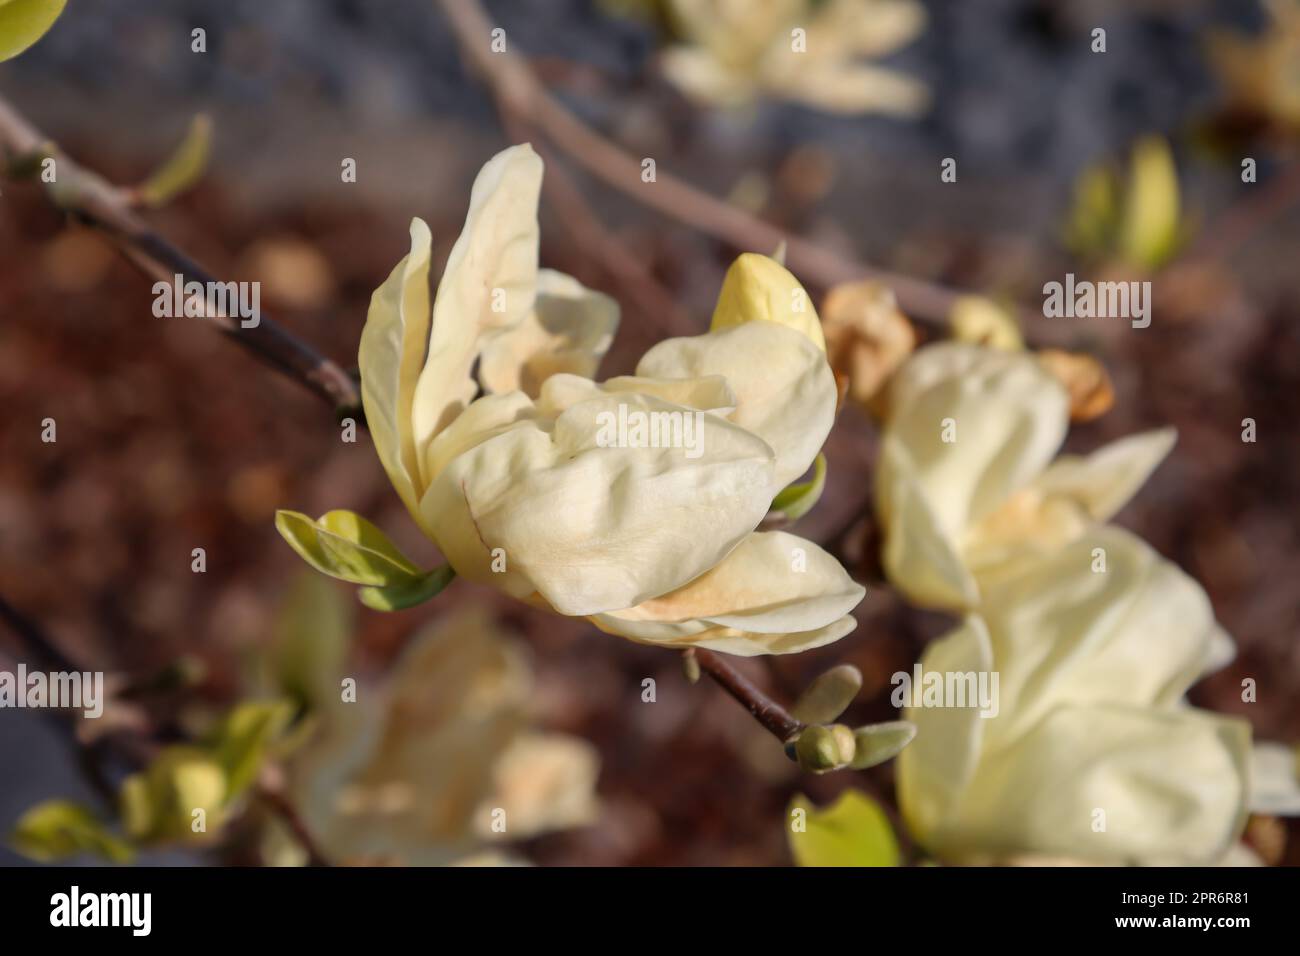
point(981, 321)
point(760, 288)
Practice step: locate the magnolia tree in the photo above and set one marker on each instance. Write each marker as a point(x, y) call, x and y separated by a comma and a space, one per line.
point(1051, 722)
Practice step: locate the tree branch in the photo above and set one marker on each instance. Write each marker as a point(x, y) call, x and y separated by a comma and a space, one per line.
point(98, 203)
point(519, 94)
point(775, 719)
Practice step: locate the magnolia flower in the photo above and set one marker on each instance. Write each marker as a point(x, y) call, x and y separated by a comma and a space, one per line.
point(632, 501)
point(1093, 754)
point(442, 762)
point(735, 51)
point(967, 490)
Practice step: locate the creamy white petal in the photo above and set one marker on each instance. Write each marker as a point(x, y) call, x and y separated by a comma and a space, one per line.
point(390, 357)
point(772, 583)
point(978, 424)
point(936, 769)
point(569, 330)
point(1105, 480)
point(594, 528)
point(1138, 633)
point(919, 556)
point(1172, 785)
point(785, 391)
point(487, 287)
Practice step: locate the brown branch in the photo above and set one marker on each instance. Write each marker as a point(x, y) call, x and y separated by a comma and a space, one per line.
point(108, 208)
point(519, 94)
point(775, 719)
point(275, 801)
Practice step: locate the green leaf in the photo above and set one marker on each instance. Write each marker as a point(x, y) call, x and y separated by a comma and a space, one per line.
point(242, 740)
point(1149, 229)
point(346, 546)
point(58, 829)
point(853, 831)
point(398, 597)
point(183, 168)
point(158, 803)
point(828, 696)
point(876, 743)
point(1094, 214)
point(797, 500)
point(23, 22)
point(309, 644)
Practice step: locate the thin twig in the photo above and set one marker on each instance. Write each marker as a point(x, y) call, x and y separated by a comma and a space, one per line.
point(108, 208)
point(775, 719)
point(288, 814)
point(519, 94)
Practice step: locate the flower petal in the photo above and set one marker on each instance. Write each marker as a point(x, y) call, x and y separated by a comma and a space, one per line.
point(1104, 481)
point(936, 769)
point(772, 583)
point(785, 391)
point(569, 330)
point(978, 425)
point(487, 288)
point(1171, 783)
point(1138, 633)
point(391, 353)
point(593, 526)
point(757, 288)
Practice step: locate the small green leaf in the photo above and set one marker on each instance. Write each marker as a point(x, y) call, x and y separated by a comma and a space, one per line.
point(242, 740)
point(23, 22)
point(158, 803)
point(828, 696)
point(309, 644)
point(183, 168)
point(346, 546)
point(58, 829)
point(876, 743)
point(797, 500)
point(1149, 229)
point(853, 831)
point(1094, 213)
point(398, 597)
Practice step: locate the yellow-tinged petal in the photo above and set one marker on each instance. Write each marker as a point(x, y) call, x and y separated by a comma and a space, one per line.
point(1104, 481)
point(591, 523)
point(569, 330)
point(543, 782)
point(936, 769)
point(1172, 785)
point(757, 287)
point(978, 424)
point(784, 389)
point(1137, 633)
point(981, 321)
point(390, 357)
point(487, 287)
point(772, 583)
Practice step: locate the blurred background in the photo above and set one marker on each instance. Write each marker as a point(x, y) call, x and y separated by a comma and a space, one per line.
point(170, 438)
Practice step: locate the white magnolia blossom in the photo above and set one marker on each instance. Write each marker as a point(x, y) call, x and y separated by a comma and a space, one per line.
point(1094, 754)
point(419, 770)
point(812, 52)
point(520, 487)
point(967, 490)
